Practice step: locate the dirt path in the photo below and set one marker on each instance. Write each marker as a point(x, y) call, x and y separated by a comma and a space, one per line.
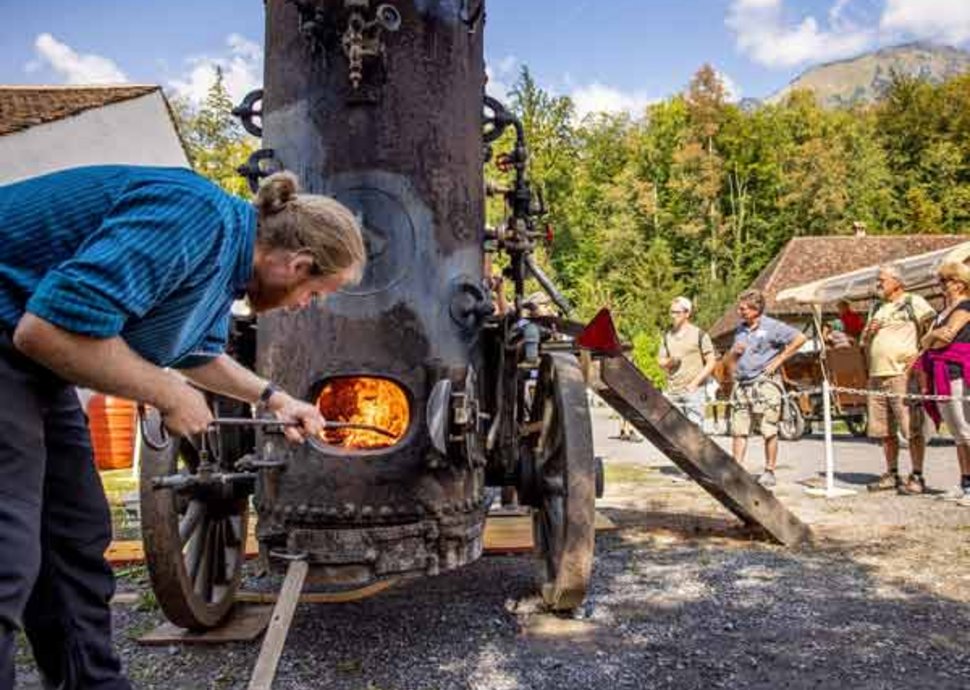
point(682, 598)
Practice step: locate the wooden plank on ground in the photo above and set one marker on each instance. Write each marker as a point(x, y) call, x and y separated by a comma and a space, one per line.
point(321, 597)
point(509, 534)
point(279, 626)
point(503, 534)
point(629, 392)
point(245, 624)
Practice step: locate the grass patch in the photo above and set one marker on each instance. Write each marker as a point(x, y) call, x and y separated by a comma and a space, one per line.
point(630, 474)
point(23, 655)
point(141, 628)
point(117, 483)
point(147, 601)
point(350, 666)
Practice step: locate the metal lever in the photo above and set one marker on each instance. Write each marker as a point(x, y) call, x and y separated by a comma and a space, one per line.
point(268, 424)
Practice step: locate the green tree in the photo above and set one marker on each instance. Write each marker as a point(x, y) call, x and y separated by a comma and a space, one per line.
point(216, 143)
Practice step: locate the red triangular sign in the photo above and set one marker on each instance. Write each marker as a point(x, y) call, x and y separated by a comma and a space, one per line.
point(600, 335)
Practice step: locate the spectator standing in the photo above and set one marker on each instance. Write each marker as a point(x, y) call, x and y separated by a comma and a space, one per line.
point(761, 346)
point(892, 339)
point(944, 368)
point(853, 323)
point(688, 358)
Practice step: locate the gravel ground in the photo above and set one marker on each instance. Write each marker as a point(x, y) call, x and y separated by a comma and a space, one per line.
point(682, 597)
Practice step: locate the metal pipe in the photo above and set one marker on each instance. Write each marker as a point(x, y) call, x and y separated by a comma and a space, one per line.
point(548, 286)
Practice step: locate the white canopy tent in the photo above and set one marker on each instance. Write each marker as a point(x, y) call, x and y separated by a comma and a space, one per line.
point(918, 272)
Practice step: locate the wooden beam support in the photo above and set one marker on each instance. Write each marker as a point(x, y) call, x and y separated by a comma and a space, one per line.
point(632, 395)
point(279, 626)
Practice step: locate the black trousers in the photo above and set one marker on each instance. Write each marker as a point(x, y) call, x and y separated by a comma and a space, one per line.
point(54, 528)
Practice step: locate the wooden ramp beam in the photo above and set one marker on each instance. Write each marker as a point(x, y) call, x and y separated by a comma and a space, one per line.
point(632, 395)
point(279, 627)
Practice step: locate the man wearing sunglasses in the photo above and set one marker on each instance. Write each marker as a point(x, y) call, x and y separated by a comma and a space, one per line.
point(891, 339)
point(687, 356)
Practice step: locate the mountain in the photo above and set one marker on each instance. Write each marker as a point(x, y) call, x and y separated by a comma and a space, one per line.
point(861, 79)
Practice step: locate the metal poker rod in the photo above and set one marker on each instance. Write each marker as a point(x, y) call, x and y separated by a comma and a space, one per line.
point(242, 421)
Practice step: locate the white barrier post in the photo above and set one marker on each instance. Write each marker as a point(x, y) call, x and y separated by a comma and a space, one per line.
point(829, 450)
point(830, 490)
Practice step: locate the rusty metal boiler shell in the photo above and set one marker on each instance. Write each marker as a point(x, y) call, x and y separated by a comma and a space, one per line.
point(404, 151)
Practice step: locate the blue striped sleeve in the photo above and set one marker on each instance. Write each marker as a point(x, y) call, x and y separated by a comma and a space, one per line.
point(213, 345)
point(153, 239)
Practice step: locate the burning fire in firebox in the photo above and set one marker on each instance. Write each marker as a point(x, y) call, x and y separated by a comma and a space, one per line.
point(365, 400)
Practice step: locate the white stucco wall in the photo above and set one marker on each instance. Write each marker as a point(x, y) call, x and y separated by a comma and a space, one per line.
point(136, 132)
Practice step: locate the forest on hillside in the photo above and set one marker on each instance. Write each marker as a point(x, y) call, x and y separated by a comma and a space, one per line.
point(697, 194)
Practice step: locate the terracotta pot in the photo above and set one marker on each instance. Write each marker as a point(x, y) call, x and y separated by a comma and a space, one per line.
point(112, 424)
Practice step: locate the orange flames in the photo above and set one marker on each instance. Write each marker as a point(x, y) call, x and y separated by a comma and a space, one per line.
point(364, 400)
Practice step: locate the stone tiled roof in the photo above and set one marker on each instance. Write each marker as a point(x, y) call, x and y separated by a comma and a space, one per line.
point(806, 259)
point(22, 107)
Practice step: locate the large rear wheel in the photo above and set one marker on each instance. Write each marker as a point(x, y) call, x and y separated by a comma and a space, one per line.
point(565, 484)
point(194, 539)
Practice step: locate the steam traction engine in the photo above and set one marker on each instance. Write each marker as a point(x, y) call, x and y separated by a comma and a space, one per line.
point(434, 396)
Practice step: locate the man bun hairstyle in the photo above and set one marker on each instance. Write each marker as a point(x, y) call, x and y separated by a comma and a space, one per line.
point(275, 192)
point(317, 225)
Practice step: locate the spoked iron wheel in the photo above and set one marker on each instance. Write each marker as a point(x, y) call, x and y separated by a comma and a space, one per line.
point(194, 543)
point(565, 484)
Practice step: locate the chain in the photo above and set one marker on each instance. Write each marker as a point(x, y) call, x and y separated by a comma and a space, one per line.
point(864, 392)
point(912, 397)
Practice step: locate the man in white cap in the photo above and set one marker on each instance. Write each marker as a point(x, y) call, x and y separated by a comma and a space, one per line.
point(687, 356)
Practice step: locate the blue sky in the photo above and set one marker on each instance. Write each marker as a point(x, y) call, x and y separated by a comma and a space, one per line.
point(607, 54)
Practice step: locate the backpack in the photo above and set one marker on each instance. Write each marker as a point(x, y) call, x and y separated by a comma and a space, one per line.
point(700, 344)
point(910, 314)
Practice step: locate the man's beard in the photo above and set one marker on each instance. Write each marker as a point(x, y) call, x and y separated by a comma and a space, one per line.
point(263, 297)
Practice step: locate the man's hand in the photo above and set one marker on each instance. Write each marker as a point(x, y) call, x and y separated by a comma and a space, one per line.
point(186, 412)
point(668, 364)
point(289, 409)
point(772, 367)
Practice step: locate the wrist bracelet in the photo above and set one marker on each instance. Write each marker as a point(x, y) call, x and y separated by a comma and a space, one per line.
point(267, 394)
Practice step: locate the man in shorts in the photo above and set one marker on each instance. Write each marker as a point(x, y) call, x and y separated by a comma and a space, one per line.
point(761, 346)
point(891, 339)
point(687, 356)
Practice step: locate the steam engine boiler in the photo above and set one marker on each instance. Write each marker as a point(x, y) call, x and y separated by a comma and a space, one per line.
point(442, 398)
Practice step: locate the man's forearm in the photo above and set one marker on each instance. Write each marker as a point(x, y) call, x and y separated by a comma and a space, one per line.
point(225, 376)
point(709, 367)
point(105, 364)
point(790, 349)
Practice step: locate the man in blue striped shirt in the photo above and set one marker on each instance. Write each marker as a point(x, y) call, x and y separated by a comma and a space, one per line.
point(110, 277)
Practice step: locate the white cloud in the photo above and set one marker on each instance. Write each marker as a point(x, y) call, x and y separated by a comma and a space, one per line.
point(601, 98)
point(500, 76)
point(74, 67)
point(242, 71)
point(943, 20)
point(837, 13)
point(763, 32)
point(507, 64)
point(732, 91)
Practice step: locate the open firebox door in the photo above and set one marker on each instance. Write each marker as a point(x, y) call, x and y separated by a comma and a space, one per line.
point(362, 402)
